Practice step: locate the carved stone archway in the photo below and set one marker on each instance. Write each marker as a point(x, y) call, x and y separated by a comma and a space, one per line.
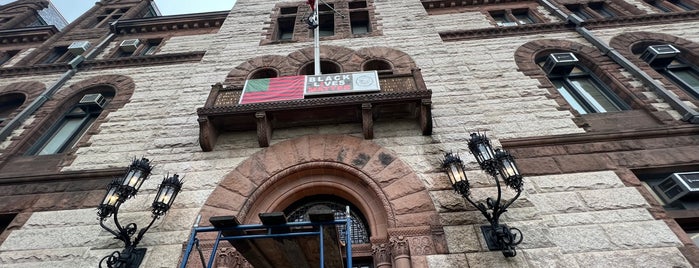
point(386, 190)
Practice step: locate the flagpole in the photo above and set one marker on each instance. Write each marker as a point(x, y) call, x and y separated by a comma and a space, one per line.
point(316, 41)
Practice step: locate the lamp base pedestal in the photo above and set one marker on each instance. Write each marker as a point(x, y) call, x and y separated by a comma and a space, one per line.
point(133, 257)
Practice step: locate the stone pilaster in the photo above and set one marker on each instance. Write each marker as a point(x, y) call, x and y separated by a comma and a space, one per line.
point(382, 255)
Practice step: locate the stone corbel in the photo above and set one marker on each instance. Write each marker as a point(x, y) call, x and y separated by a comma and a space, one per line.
point(264, 129)
point(207, 134)
point(426, 117)
point(367, 121)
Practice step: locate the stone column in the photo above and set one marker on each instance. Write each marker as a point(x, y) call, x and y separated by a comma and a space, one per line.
point(382, 255)
point(400, 251)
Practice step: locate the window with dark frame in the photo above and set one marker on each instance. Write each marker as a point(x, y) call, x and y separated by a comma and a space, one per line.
point(332, 21)
point(145, 48)
point(7, 56)
point(68, 129)
point(668, 6)
point(684, 208)
point(512, 17)
point(57, 55)
point(592, 10)
point(360, 232)
point(9, 104)
point(584, 91)
point(668, 61)
point(110, 15)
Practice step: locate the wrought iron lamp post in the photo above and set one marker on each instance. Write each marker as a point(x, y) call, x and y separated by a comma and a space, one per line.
point(497, 163)
point(121, 189)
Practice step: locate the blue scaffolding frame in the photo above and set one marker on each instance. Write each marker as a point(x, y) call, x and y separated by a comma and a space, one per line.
point(269, 234)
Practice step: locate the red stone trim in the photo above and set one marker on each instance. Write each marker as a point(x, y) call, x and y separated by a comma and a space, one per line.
point(383, 187)
point(604, 68)
point(171, 23)
point(625, 43)
point(27, 35)
point(537, 28)
point(52, 109)
point(159, 59)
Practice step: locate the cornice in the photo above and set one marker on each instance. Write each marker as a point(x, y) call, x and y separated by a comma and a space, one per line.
point(34, 69)
point(316, 102)
point(171, 58)
point(63, 176)
point(445, 4)
point(171, 23)
point(27, 35)
point(538, 28)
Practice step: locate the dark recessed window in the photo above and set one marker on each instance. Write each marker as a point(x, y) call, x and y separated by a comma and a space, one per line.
point(512, 17)
point(592, 10)
point(149, 47)
point(7, 56)
point(381, 66)
point(57, 54)
point(581, 88)
point(360, 232)
point(264, 73)
point(359, 21)
point(326, 67)
point(68, 129)
point(668, 61)
point(9, 104)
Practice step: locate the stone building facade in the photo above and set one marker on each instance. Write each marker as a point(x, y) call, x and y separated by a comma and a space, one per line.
point(591, 139)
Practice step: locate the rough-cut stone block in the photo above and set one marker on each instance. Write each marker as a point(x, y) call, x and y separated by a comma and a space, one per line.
point(613, 199)
point(645, 234)
point(576, 181)
point(462, 238)
point(599, 217)
point(495, 259)
point(535, 234)
point(657, 257)
point(50, 238)
point(447, 261)
point(581, 239)
point(552, 203)
point(548, 257)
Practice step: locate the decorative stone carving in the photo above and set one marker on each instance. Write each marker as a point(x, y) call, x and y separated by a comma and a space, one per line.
point(421, 245)
point(382, 255)
point(231, 258)
point(400, 251)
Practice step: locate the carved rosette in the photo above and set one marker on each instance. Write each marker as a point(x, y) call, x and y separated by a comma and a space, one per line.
point(382, 255)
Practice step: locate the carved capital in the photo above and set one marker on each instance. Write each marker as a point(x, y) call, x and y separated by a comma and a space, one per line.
point(399, 246)
point(382, 255)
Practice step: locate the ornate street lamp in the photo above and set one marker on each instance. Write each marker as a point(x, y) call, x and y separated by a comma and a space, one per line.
point(121, 189)
point(497, 163)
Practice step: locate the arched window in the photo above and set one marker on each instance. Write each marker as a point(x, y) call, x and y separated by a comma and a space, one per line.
point(264, 73)
point(581, 88)
point(326, 67)
point(8, 104)
point(68, 129)
point(298, 212)
point(382, 66)
point(669, 61)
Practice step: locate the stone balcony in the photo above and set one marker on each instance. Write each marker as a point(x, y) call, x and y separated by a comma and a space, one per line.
point(401, 96)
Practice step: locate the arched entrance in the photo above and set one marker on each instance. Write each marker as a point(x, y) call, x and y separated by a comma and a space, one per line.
point(393, 200)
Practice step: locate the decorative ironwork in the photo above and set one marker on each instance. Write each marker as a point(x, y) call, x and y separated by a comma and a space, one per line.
point(359, 231)
point(122, 189)
point(497, 163)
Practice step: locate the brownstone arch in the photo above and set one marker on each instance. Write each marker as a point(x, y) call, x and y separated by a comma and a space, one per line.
point(393, 199)
point(347, 59)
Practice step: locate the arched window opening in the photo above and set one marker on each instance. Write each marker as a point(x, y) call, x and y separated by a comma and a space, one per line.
point(579, 86)
point(8, 104)
point(326, 67)
point(298, 212)
point(73, 124)
point(264, 73)
point(382, 66)
point(669, 61)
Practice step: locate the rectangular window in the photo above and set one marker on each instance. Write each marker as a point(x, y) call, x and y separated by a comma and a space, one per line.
point(326, 24)
point(110, 15)
point(360, 22)
point(57, 54)
point(601, 9)
point(586, 95)
point(7, 56)
point(512, 17)
point(285, 28)
point(688, 78)
point(149, 47)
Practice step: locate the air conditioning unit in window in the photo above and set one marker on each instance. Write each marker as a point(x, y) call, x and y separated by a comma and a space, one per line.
point(660, 55)
point(78, 47)
point(678, 186)
point(560, 63)
point(93, 101)
point(129, 45)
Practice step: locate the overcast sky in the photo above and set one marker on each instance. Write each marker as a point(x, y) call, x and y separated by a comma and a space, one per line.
point(71, 9)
